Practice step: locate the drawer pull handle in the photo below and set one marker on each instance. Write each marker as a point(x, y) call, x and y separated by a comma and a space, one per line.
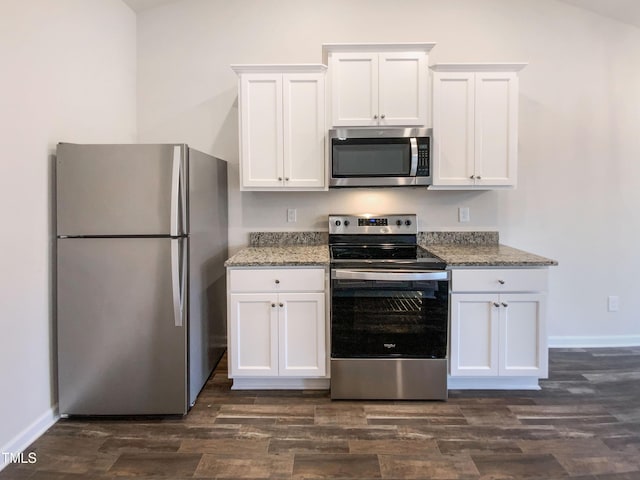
point(501, 282)
point(496, 304)
point(505, 304)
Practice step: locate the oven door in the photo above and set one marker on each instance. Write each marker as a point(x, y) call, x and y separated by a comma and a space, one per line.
point(389, 313)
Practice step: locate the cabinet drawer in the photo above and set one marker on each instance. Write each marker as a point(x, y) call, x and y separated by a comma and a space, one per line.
point(277, 279)
point(499, 280)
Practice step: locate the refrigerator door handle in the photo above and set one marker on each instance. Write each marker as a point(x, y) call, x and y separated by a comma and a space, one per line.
point(177, 281)
point(175, 190)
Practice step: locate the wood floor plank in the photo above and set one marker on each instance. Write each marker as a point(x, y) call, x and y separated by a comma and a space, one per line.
point(584, 424)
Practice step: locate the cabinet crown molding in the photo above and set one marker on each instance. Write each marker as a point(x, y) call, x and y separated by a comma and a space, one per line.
point(279, 68)
point(375, 47)
point(478, 67)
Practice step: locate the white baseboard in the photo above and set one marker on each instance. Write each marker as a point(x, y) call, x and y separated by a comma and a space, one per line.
point(30, 434)
point(279, 383)
point(594, 342)
point(492, 383)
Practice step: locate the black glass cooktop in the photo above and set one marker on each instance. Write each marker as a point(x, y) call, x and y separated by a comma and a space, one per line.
point(385, 254)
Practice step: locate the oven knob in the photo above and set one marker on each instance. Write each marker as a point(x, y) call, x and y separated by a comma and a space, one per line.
point(338, 223)
point(407, 222)
point(346, 223)
point(398, 222)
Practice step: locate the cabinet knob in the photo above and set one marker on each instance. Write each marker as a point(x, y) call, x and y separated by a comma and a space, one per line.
point(496, 304)
point(382, 116)
point(282, 305)
point(505, 304)
point(478, 177)
point(286, 179)
point(277, 281)
point(501, 282)
point(375, 117)
point(279, 179)
point(472, 177)
point(273, 305)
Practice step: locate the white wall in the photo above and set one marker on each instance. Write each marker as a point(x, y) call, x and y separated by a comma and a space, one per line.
point(579, 112)
point(68, 74)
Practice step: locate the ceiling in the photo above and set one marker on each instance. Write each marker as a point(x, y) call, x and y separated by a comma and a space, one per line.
point(141, 5)
point(627, 11)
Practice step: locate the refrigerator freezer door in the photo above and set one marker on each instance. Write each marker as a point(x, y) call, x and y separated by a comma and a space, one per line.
point(107, 190)
point(119, 349)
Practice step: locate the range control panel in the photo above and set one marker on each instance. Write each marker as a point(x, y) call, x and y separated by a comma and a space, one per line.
point(395, 224)
point(373, 222)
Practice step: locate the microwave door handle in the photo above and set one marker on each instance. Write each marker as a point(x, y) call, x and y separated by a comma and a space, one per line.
point(414, 156)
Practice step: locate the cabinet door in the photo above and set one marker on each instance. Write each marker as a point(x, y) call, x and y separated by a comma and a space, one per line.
point(496, 139)
point(523, 349)
point(354, 89)
point(304, 127)
point(261, 130)
point(402, 94)
point(253, 321)
point(453, 128)
point(302, 334)
point(474, 335)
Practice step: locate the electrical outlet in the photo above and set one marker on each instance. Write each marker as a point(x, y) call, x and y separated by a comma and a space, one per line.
point(613, 303)
point(291, 215)
point(463, 214)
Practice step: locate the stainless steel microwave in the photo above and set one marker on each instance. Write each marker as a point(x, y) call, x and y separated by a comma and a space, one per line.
point(380, 157)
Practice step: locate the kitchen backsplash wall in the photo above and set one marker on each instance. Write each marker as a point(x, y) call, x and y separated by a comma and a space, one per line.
point(436, 210)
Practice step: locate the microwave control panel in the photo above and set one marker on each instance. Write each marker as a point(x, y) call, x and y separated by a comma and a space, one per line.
point(423, 157)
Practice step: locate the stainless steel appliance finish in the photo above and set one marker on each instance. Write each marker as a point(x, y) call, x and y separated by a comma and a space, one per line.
point(141, 294)
point(388, 379)
point(374, 157)
point(389, 311)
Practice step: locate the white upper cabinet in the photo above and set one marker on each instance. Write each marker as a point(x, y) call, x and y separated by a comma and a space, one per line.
point(475, 125)
point(282, 127)
point(378, 84)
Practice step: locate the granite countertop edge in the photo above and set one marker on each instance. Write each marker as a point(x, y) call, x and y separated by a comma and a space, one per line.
point(268, 249)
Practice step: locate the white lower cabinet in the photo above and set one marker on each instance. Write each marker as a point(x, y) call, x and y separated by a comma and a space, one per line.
point(498, 326)
point(277, 324)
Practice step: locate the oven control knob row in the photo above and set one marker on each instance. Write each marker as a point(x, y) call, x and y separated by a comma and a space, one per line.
point(406, 222)
point(338, 223)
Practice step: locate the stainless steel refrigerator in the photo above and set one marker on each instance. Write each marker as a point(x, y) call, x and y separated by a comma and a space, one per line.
point(141, 294)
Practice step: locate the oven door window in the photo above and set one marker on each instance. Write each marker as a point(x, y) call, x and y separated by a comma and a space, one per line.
point(375, 318)
point(371, 157)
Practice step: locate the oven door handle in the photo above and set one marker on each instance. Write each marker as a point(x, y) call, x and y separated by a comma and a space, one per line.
point(389, 275)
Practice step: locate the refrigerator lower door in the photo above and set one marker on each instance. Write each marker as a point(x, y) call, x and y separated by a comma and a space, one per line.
point(120, 348)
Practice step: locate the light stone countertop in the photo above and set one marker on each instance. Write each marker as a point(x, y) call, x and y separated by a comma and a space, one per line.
point(457, 249)
point(496, 255)
point(291, 255)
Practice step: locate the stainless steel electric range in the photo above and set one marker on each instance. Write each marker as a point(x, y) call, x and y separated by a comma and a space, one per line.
point(389, 310)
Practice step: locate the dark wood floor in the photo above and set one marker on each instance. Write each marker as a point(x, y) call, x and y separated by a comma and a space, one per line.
point(583, 425)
